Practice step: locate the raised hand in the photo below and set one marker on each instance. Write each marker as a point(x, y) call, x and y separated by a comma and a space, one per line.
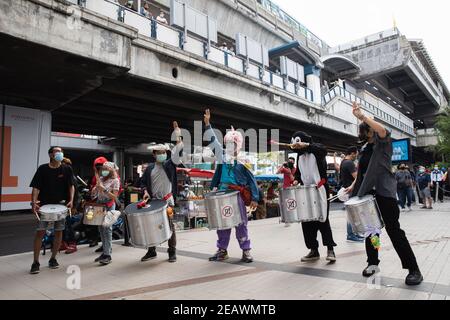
point(207, 117)
point(176, 131)
point(357, 112)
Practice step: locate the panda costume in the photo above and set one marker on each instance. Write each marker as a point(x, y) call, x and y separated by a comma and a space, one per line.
point(312, 170)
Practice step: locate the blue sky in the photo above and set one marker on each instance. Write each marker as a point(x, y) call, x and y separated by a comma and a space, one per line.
point(338, 22)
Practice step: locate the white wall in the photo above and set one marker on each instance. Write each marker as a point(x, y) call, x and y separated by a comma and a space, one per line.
point(30, 141)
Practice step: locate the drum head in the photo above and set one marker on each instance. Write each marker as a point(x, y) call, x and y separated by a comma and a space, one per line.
point(154, 205)
point(357, 200)
point(53, 208)
point(220, 194)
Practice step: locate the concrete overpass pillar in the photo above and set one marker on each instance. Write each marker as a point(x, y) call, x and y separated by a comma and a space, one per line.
point(312, 74)
point(119, 160)
point(129, 168)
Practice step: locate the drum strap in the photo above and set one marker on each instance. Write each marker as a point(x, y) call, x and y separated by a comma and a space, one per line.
point(167, 196)
point(321, 183)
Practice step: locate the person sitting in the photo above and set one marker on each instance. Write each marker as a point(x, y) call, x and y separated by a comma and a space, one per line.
point(187, 194)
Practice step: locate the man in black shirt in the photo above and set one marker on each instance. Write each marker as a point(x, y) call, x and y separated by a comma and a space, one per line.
point(348, 174)
point(52, 184)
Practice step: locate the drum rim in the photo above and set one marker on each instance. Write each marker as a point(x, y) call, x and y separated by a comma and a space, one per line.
point(61, 211)
point(362, 199)
point(300, 187)
point(227, 193)
point(142, 213)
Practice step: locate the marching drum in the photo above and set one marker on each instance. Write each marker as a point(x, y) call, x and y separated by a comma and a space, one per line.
point(364, 214)
point(53, 212)
point(94, 214)
point(303, 204)
point(148, 226)
point(223, 210)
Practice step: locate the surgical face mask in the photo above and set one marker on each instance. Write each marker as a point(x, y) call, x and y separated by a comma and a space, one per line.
point(105, 173)
point(421, 170)
point(59, 156)
point(161, 157)
point(436, 168)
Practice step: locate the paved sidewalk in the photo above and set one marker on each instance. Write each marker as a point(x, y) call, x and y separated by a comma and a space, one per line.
point(276, 274)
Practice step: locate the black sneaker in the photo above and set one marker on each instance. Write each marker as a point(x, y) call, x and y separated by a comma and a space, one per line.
point(220, 255)
point(172, 256)
point(370, 271)
point(99, 258)
point(150, 255)
point(100, 249)
point(53, 264)
point(105, 260)
point(35, 268)
point(93, 244)
point(414, 278)
point(313, 255)
point(331, 256)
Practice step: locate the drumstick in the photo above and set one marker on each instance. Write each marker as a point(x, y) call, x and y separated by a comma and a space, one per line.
point(281, 144)
point(37, 216)
point(333, 198)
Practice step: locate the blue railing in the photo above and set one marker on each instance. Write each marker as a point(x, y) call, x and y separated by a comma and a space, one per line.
point(177, 38)
point(338, 91)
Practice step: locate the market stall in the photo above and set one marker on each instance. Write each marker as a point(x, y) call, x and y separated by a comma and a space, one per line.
point(271, 187)
point(193, 184)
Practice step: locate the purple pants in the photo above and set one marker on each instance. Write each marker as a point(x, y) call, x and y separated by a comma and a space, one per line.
point(241, 232)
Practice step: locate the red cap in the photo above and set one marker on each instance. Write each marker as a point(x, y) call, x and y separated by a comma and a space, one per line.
point(100, 160)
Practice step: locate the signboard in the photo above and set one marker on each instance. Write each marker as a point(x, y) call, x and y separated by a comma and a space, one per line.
point(196, 22)
point(25, 137)
point(401, 150)
point(292, 69)
point(255, 50)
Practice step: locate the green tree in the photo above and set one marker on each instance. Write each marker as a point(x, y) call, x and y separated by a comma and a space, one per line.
point(443, 127)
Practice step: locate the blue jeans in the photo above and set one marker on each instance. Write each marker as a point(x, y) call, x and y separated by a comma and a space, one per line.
point(350, 233)
point(404, 194)
point(106, 236)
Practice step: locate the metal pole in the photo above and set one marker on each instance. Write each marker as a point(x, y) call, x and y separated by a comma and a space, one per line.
point(247, 62)
point(2, 144)
point(185, 24)
point(208, 44)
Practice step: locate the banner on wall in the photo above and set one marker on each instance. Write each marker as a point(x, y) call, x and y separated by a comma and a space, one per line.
point(25, 140)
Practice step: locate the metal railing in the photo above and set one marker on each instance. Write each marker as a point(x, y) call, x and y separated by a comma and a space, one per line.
point(421, 68)
point(280, 13)
point(177, 38)
point(393, 121)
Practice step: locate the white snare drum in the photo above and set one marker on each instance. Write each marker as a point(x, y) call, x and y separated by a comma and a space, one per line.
point(223, 210)
point(303, 204)
point(53, 212)
point(94, 214)
point(363, 214)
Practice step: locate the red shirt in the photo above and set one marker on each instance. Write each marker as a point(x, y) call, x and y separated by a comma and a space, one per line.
point(288, 176)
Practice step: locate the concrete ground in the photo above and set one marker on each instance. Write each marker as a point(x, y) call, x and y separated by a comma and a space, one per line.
point(276, 274)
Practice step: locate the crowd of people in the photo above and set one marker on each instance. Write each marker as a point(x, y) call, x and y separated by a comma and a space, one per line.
point(54, 183)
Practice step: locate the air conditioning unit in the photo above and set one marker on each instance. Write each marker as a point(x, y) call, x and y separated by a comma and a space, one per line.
point(275, 99)
point(311, 112)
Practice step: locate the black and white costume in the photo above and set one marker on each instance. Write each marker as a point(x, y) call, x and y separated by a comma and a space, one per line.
point(312, 170)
